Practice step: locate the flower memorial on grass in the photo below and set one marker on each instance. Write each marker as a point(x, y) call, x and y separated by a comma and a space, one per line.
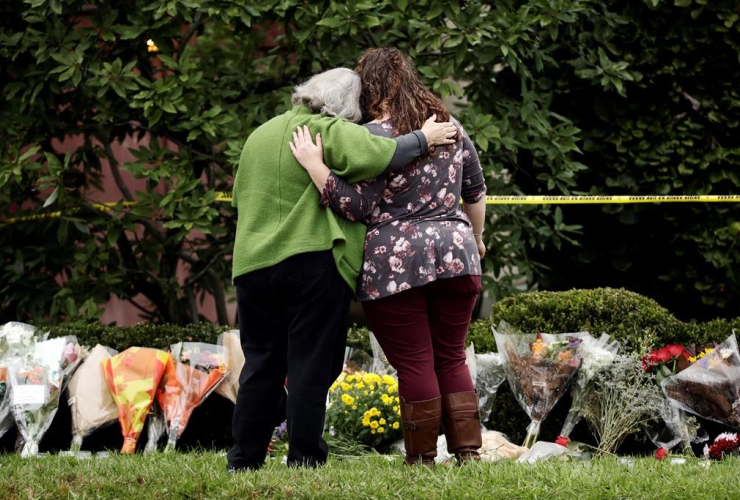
point(597, 357)
point(234, 360)
point(487, 373)
point(539, 368)
point(710, 387)
point(133, 377)
point(36, 383)
point(197, 370)
point(366, 407)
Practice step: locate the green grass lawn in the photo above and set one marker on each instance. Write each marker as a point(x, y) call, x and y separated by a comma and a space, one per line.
point(203, 475)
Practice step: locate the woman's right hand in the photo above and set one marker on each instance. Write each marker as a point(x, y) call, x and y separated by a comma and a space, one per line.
point(439, 134)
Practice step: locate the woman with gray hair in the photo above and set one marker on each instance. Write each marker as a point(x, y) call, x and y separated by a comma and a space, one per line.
point(296, 263)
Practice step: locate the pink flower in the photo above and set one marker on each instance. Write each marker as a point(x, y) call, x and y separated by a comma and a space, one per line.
point(396, 264)
point(457, 266)
point(450, 200)
point(403, 286)
point(381, 250)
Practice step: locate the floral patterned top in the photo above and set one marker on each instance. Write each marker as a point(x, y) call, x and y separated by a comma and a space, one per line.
point(417, 231)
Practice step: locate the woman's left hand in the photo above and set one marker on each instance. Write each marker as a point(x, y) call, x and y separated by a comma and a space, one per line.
point(308, 154)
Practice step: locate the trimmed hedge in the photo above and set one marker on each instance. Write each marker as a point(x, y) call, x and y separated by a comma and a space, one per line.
point(639, 323)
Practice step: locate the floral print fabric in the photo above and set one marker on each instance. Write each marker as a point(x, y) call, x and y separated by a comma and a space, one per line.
point(417, 231)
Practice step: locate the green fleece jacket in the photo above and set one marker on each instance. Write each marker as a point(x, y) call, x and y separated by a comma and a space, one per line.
point(278, 205)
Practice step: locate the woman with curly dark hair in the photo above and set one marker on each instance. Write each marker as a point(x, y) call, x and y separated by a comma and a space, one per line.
point(421, 271)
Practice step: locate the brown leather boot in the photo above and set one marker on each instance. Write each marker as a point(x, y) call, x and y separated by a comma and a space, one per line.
point(421, 422)
point(461, 422)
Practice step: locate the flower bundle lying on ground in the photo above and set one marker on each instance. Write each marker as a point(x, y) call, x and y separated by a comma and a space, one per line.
point(198, 368)
point(710, 387)
point(36, 383)
point(366, 407)
point(133, 377)
point(724, 445)
point(90, 400)
point(539, 368)
point(597, 357)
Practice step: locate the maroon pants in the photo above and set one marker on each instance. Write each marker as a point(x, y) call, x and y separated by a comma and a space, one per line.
point(422, 332)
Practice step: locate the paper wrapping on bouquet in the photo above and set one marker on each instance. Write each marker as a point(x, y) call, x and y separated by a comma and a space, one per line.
point(234, 359)
point(543, 451)
point(133, 377)
point(596, 356)
point(198, 369)
point(487, 373)
point(539, 368)
point(90, 400)
point(37, 380)
point(710, 387)
point(496, 447)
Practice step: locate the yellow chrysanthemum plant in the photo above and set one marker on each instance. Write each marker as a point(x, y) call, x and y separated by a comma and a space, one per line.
point(365, 407)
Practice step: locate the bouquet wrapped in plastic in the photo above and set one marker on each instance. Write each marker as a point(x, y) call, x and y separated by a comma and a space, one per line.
point(198, 369)
point(672, 426)
point(597, 356)
point(16, 339)
point(710, 387)
point(487, 373)
point(381, 365)
point(37, 380)
point(155, 431)
point(90, 400)
point(539, 368)
point(234, 360)
point(133, 377)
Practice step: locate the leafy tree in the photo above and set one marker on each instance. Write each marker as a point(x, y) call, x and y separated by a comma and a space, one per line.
point(535, 78)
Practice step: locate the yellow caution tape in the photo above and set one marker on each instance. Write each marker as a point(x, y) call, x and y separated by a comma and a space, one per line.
point(223, 196)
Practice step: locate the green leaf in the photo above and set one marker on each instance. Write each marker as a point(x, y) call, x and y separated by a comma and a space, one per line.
point(52, 197)
point(332, 22)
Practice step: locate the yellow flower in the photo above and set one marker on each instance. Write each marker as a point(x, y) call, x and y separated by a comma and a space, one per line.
point(692, 359)
point(372, 431)
point(374, 412)
point(374, 425)
point(381, 430)
point(395, 425)
point(389, 380)
point(350, 379)
point(359, 385)
point(397, 400)
point(395, 408)
point(386, 400)
point(354, 407)
point(346, 412)
point(372, 387)
point(366, 393)
point(346, 386)
point(347, 399)
point(382, 421)
point(365, 422)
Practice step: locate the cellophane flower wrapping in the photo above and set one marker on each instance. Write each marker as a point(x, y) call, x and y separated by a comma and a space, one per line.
point(90, 400)
point(710, 387)
point(365, 407)
point(37, 380)
point(156, 428)
point(487, 373)
point(133, 377)
point(16, 339)
point(198, 370)
point(671, 426)
point(539, 369)
point(381, 365)
point(357, 360)
point(234, 359)
point(597, 355)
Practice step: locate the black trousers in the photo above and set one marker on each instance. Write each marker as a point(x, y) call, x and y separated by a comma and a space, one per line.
point(293, 319)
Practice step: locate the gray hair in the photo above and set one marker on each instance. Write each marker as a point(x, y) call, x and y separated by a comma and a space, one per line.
point(335, 92)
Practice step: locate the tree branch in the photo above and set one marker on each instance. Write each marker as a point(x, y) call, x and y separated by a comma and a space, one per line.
point(203, 271)
point(189, 34)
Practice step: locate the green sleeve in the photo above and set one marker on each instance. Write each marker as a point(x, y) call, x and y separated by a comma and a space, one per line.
point(355, 154)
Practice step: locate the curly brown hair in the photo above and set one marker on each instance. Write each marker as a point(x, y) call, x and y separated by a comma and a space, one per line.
point(391, 84)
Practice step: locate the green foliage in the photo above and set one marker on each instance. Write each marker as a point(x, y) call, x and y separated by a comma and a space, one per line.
point(121, 338)
point(643, 93)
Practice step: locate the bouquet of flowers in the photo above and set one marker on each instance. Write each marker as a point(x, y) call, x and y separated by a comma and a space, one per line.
point(726, 444)
point(90, 401)
point(198, 369)
point(365, 407)
point(539, 368)
point(597, 356)
point(156, 428)
point(16, 339)
point(133, 377)
point(381, 365)
point(234, 360)
point(487, 374)
point(710, 387)
point(37, 380)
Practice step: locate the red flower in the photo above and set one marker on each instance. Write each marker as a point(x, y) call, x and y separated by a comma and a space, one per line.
point(675, 350)
point(724, 443)
point(662, 355)
point(661, 454)
point(648, 362)
point(562, 441)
